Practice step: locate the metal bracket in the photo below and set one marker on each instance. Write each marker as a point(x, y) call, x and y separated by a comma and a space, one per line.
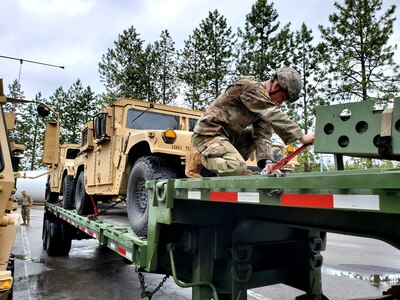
point(241, 253)
point(241, 272)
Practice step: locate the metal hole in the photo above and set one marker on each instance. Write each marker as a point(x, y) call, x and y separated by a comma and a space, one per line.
point(329, 128)
point(397, 125)
point(362, 127)
point(345, 114)
point(343, 141)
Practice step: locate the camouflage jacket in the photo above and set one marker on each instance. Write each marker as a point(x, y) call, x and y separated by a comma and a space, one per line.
point(26, 200)
point(246, 103)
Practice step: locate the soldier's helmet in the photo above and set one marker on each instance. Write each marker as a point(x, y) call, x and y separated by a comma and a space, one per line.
point(289, 79)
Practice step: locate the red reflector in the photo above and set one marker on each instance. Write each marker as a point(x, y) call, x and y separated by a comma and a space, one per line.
point(224, 196)
point(310, 200)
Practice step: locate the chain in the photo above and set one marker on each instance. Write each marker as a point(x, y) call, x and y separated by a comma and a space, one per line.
point(144, 292)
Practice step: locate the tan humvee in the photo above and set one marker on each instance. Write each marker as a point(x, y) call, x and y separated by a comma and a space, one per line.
point(125, 145)
point(8, 220)
point(61, 172)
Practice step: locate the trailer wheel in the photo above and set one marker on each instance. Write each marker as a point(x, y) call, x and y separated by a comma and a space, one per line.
point(83, 204)
point(67, 191)
point(145, 168)
point(66, 239)
point(53, 239)
point(44, 232)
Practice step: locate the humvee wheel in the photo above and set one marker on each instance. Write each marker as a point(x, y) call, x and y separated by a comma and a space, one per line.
point(67, 191)
point(83, 204)
point(145, 168)
point(50, 196)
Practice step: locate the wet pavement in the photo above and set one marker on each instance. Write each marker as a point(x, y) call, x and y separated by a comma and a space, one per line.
point(353, 268)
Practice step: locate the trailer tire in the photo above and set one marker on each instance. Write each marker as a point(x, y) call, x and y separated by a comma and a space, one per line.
point(145, 168)
point(66, 238)
point(83, 204)
point(44, 232)
point(53, 239)
point(68, 187)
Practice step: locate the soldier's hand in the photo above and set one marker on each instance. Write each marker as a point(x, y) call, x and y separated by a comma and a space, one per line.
point(307, 139)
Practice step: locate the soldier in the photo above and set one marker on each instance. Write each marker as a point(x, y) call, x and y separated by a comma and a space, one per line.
point(241, 120)
point(26, 204)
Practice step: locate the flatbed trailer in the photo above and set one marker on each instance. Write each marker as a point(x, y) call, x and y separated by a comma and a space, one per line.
point(222, 236)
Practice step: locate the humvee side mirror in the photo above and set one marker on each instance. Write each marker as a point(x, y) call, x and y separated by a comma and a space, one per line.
point(43, 110)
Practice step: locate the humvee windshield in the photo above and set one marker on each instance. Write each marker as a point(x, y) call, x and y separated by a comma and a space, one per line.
point(151, 120)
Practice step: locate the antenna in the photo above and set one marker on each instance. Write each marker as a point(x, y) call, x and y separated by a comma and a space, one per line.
point(21, 61)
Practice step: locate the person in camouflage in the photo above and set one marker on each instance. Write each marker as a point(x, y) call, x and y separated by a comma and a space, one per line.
point(242, 120)
point(26, 205)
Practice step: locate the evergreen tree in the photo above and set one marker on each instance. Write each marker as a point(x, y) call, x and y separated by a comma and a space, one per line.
point(32, 127)
point(305, 59)
point(356, 48)
point(76, 107)
point(166, 81)
point(121, 68)
point(217, 42)
point(190, 73)
point(16, 93)
point(79, 109)
point(149, 68)
point(59, 101)
point(206, 60)
point(263, 48)
point(28, 128)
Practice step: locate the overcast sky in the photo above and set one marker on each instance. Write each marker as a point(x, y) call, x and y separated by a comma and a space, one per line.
point(76, 33)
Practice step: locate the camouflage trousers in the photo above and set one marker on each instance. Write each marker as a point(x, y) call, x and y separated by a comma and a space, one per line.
point(221, 156)
point(26, 213)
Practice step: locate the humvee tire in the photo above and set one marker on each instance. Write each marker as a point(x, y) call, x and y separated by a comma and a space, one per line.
point(50, 196)
point(67, 191)
point(83, 204)
point(145, 168)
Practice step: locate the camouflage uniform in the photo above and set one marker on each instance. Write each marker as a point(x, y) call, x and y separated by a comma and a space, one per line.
point(26, 203)
point(238, 122)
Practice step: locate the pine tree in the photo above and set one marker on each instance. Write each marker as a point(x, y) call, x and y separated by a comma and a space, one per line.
point(189, 73)
point(357, 50)
point(33, 125)
point(76, 107)
point(166, 81)
point(149, 67)
point(305, 59)
point(79, 109)
point(263, 48)
point(59, 102)
point(121, 68)
point(16, 93)
point(217, 42)
point(28, 128)
point(206, 60)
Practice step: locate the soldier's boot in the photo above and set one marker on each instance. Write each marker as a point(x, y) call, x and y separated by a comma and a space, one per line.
point(193, 165)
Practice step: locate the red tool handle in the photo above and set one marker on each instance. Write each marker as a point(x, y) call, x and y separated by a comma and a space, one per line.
point(279, 165)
